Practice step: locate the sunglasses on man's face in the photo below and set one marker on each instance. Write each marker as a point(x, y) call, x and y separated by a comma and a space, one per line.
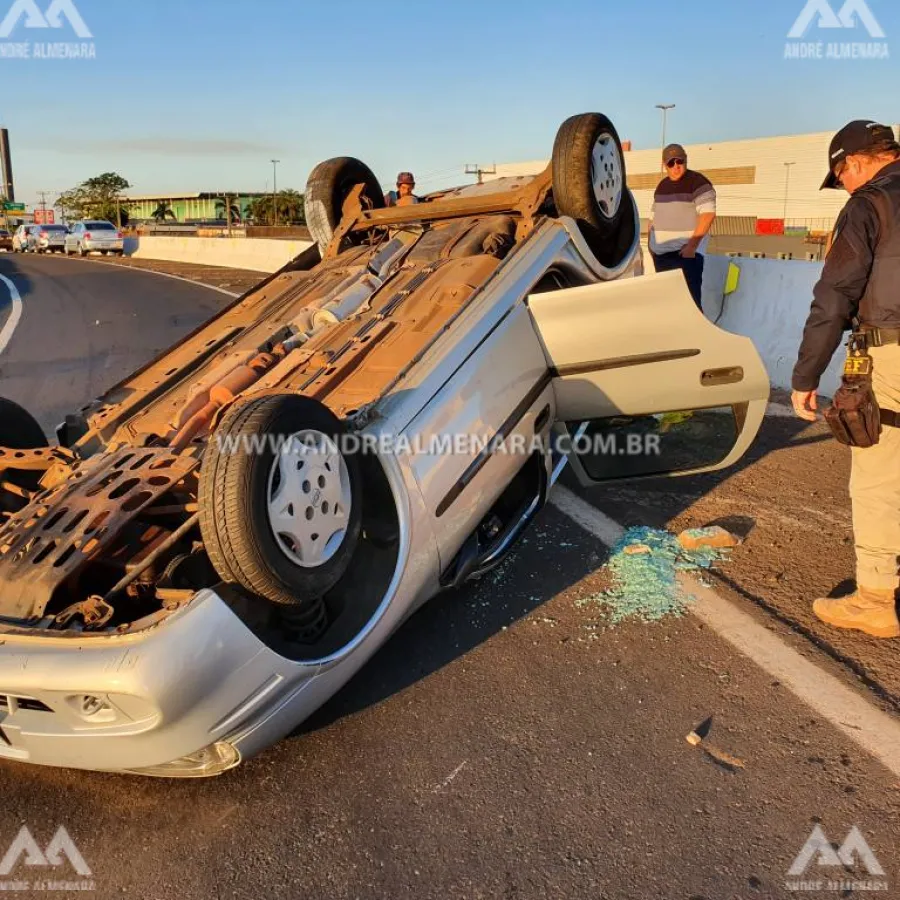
point(674, 162)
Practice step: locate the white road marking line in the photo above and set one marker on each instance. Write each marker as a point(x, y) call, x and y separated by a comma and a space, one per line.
point(588, 517)
point(876, 732)
point(6, 332)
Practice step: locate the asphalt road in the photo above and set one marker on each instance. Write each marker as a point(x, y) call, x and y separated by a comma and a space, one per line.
point(507, 742)
point(84, 326)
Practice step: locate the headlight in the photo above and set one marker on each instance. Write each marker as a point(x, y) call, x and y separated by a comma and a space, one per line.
point(212, 760)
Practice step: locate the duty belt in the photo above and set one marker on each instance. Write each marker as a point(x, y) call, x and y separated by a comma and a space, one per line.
point(889, 417)
point(878, 337)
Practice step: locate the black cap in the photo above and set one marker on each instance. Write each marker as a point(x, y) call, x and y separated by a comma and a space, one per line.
point(852, 138)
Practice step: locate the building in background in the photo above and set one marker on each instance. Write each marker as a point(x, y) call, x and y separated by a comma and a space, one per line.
point(199, 207)
point(768, 190)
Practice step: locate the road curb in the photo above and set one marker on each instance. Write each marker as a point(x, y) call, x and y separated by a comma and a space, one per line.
point(202, 284)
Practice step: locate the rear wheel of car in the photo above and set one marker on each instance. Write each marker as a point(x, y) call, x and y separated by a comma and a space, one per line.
point(280, 504)
point(19, 430)
point(327, 188)
point(589, 185)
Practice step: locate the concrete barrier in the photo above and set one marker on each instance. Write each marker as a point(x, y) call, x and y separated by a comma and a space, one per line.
point(257, 255)
point(770, 306)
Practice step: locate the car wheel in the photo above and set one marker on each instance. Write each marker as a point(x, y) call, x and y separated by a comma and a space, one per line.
point(280, 504)
point(327, 188)
point(19, 430)
point(589, 185)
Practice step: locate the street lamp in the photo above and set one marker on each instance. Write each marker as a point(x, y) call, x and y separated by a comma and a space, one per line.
point(665, 107)
point(275, 190)
point(787, 181)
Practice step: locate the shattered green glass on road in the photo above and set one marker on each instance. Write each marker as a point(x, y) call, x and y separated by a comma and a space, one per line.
point(643, 566)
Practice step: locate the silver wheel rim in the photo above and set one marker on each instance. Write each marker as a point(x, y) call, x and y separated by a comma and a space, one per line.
point(607, 175)
point(308, 498)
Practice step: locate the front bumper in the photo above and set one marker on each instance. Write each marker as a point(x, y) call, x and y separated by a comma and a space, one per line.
point(132, 702)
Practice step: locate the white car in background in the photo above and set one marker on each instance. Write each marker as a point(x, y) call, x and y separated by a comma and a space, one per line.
point(20, 239)
point(94, 236)
point(47, 238)
point(208, 555)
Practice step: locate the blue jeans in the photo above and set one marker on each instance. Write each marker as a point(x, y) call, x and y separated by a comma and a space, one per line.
point(692, 268)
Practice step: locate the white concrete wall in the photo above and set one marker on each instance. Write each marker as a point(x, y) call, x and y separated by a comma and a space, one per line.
point(770, 306)
point(255, 254)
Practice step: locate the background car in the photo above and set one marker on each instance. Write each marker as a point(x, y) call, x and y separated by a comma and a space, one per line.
point(47, 238)
point(20, 239)
point(6, 240)
point(94, 235)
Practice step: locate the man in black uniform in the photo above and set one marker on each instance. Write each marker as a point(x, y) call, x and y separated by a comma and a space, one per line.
point(861, 280)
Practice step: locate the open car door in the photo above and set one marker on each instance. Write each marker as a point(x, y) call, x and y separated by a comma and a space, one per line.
point(645, 384)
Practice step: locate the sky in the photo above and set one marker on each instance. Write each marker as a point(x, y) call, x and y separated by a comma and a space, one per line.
point(200, 95)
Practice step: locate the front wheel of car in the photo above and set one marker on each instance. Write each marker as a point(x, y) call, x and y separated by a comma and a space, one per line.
point(589, 186)
point(281, 503)
point(328, 186)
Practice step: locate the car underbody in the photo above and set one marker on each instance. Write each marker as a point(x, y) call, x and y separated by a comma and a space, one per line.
point(107, 538)
point(199, 563)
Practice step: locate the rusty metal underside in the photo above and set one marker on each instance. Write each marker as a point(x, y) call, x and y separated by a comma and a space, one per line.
point(52, 537)
point(145, 436)
point(347, 365)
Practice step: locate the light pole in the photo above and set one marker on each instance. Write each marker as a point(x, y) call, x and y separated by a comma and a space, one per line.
point(787, 181)
point(665, 107)
point(275, 190)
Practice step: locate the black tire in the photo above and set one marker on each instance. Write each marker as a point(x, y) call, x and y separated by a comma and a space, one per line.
point(610, 233)
point(234, 516)
point(19, 430)
point(327, 188)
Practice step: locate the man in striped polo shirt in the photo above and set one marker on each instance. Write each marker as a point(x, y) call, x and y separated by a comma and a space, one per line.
point(684, 208)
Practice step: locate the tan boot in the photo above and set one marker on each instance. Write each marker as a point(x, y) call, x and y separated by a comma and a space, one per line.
point(870, 610)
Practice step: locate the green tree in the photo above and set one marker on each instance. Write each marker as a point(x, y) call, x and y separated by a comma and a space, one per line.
point(233, 208)
point(162, 212)
point(100, 197)
point(290, 204)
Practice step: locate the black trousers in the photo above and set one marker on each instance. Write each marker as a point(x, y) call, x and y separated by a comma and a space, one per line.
point(692, 268)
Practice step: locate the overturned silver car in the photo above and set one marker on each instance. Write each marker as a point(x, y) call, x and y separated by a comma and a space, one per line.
point(217, 544)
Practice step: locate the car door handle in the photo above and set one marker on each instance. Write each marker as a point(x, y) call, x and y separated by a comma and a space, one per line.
point(730, 375)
